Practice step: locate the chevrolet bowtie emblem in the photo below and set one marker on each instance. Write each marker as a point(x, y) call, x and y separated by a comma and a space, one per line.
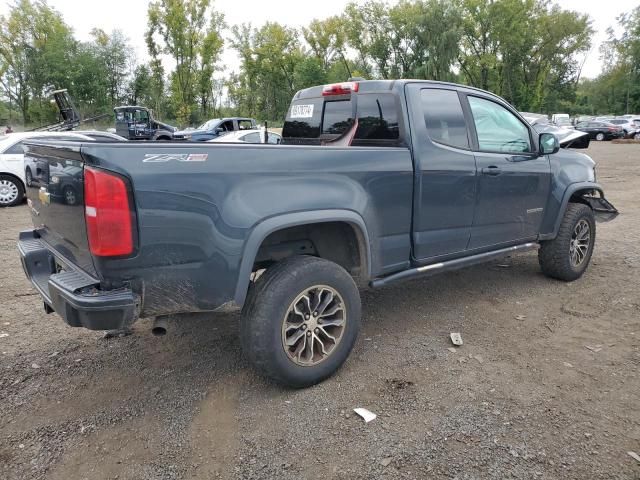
point(45, 197)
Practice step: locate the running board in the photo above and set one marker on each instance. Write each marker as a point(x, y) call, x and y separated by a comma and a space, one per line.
point(449, 265)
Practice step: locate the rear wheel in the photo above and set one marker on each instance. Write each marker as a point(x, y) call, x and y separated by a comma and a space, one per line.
point(301, 320)
point(567, 256)
point(11, 191)
point(600, 137)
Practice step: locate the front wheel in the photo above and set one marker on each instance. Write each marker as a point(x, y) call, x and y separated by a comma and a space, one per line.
point(637, 136)
point(600, 137)
point(301, 320)
point(567, 256)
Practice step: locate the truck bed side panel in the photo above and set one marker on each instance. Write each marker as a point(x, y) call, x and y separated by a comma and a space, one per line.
point(197, 205)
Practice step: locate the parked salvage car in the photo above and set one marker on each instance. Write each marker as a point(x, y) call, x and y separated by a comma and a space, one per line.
point(601, 130)
point(376, 182)
point(631, 129)
point(249, 136)
point(215, 127)
point(13, 176)
point(137, 123)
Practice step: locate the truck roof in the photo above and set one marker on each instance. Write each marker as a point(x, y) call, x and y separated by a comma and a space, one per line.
point(371, 86)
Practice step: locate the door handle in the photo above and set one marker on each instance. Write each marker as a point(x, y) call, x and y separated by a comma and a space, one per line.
point(491, 170)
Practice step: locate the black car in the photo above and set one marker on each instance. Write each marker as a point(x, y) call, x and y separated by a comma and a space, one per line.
point(601, 130)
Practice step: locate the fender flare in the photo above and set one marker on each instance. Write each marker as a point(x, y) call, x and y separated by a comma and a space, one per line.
point(568, 193)
point(263, 229)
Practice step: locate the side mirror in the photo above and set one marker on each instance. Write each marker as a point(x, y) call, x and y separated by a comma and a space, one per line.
point(549, 144)
point(219, 130)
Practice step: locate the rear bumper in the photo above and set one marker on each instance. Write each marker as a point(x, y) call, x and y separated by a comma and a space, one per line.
point(73, 294)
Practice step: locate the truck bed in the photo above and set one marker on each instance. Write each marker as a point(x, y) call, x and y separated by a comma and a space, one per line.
point(196, 207)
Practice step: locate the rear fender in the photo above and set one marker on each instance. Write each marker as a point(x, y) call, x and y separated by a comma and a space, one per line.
point(273, 224)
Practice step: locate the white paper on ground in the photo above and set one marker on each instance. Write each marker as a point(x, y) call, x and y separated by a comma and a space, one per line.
point(366, 415)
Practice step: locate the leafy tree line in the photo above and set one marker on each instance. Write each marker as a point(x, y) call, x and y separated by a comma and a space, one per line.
point(617, 90)
point(528, 51)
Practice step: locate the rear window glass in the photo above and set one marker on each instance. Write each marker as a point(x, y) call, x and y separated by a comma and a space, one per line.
point(337, 117)
point(444, 118)
point(311, 121)
point(377, 120)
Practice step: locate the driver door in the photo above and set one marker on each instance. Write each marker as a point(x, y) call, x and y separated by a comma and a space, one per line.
point(513, 181)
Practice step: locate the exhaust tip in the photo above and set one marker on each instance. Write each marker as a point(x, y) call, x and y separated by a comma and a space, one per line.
point(159, 331)
point(159, 328)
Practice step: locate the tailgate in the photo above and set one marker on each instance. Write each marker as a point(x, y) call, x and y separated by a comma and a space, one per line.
point(56, 199)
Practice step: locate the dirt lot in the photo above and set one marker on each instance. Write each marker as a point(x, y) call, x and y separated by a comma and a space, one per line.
point(546, 386)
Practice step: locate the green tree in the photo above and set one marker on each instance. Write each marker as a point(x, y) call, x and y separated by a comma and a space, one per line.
point(185, 30)
point(267, 78)
point(36, 49)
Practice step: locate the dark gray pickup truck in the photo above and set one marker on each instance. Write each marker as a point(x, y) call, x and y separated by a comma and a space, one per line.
point(377, 182)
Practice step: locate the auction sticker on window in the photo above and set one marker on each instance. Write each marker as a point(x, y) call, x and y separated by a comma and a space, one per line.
point(302, 111)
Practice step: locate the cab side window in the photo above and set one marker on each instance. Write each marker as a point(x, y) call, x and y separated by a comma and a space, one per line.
point(17, 149)
point(251, 138)
point(498, 129)
point(444, 117)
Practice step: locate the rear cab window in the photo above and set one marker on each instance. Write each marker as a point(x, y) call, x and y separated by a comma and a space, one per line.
point(444, 117)
point(321, 120)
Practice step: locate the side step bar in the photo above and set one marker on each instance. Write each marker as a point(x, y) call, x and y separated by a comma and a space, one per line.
point(434, 268)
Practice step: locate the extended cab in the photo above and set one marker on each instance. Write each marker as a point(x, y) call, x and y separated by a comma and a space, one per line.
point(376, 182)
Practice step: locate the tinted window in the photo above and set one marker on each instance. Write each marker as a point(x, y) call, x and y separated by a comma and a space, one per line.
point(15, 149)
point(337, 117)
point(303, 120)
point(581, 125)
point(594, 125)
point(251, 138)
point(377, 120)
point(444, 118)
point(498, 129)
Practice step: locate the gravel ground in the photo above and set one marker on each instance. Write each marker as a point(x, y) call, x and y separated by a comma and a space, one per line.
point(546, 386)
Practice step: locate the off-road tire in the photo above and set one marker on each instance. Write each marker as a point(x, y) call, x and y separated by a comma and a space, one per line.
point(554, 255)
point(266, 308)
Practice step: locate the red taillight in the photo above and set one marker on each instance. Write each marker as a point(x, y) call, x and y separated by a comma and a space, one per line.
point(344, 88)
point(107, 214)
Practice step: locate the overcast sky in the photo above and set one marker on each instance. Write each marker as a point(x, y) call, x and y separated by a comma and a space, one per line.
point(130, 16)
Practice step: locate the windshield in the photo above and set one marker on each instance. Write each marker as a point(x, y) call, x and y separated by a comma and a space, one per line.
point(209, 125)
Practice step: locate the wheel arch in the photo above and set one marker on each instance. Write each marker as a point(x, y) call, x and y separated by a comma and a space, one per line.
point(281, 222)
point(574, 192)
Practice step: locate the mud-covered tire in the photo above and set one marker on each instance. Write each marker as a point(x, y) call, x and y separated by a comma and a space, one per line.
point(267, 309)
point(554, 255)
